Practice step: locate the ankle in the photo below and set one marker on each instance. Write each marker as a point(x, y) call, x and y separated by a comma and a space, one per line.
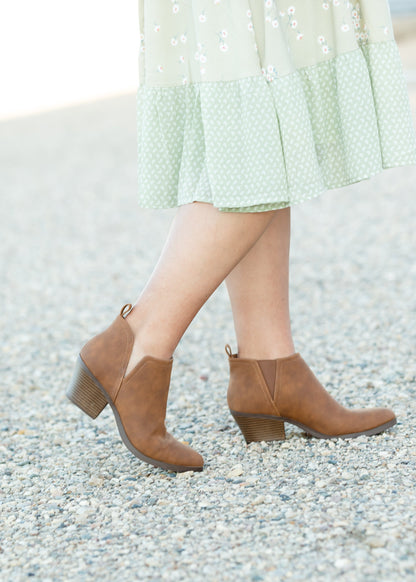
point(148, 341)
point(266, 352)
point(147, 348)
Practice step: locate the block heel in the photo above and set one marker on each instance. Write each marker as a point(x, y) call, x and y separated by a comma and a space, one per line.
point(272, 392)
point(260, 428)
point(84, 392)
point(138, 400)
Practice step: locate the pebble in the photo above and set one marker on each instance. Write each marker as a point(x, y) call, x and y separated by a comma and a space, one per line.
point(376, 542)
point(75, 502)
point(185, 475)
point(236, 471)
point(343, 564)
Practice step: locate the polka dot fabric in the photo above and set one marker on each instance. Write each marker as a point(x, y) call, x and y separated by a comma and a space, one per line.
point(267, 140)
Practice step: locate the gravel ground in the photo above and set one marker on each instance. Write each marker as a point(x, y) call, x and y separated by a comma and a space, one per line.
point(75, 503)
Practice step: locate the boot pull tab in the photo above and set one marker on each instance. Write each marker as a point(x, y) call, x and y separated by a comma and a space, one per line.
point(125, 310)
point(228, 351)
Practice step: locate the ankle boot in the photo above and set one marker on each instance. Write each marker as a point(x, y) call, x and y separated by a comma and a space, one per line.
point(264, 394)
point(138, 400)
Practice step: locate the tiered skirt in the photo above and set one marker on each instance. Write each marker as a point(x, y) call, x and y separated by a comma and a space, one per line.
point(254, 105)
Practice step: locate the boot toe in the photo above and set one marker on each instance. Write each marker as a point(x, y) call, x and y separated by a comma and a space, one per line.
point(179, 456)
point(188, 458)
point(385, 415)
point(194, 459)
point(368, 421)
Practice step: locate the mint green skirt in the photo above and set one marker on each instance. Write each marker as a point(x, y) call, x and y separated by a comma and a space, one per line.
point(254, 105)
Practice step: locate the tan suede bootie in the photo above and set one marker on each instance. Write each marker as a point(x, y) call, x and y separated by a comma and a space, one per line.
point(138, 400)
point(264, 394)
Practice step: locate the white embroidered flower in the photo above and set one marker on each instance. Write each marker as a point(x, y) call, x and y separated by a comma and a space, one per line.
point(345, 27)
point(325, 5)
point(291, 10)
point(386, 30)
point(321, 39)
point(202, 17)
point(250, 26)
point(268, 3)
point(160, 68)
point(157, 28)
point(294, 23)
point(183, 38)
point(325, 49)
point(224, 33)
point(175, 6)
point(223, 47)
point(248, 13)
point(181, 59)
point(275, 23)
point(299, 36)
point(174, 41)
point(270, 73)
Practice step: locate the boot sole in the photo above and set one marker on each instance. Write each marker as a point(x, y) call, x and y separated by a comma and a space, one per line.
point(261, 427)
point(86, 392)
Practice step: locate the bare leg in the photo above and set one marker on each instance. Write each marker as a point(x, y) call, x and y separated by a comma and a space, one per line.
point(203, 246)
point(259, 292)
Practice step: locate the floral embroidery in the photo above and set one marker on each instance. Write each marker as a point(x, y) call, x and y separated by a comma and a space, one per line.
point(270, 73)
point(201, 56)
point(286, 24)
point(324, 44)
point(270, 12)
point(250, 25)
point(222, 122)
point(292, 21)
point(222, 35)
point(361, 30)
point(175, 6)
